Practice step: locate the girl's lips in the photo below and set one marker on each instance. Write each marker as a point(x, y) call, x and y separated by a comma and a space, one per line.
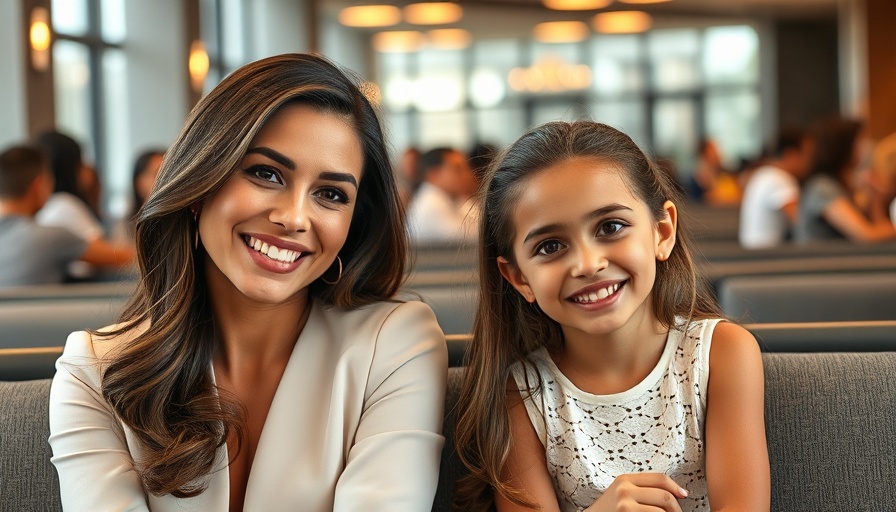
point(597, 292)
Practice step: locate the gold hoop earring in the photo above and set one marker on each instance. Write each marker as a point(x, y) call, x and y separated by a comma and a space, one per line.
point(338, 260)
point(196, 233)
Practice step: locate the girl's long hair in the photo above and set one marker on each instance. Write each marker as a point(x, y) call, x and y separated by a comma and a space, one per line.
point(160, 383)
point(507, 328)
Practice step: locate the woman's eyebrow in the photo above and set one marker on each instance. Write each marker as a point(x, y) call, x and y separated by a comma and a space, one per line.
point(339, 176)
point(276, 156)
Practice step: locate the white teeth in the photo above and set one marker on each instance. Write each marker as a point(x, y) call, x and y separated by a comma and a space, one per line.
point(600, 294)
point(273, 252)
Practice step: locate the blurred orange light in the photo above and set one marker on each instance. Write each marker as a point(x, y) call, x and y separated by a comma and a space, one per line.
point(370, 16)
point(449, 38)
point(560, 31)
point(575, 5)
point(622, 22)
point(433, 13)
point(398, 41)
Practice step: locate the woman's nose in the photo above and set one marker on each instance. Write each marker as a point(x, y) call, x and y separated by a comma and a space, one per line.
point(291, 212)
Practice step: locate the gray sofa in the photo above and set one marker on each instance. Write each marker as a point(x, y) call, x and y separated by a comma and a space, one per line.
point(830, 417)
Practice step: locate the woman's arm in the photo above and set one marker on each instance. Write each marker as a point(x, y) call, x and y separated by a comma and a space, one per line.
point(846, 218)
point(393, 463)
point(89, 450)
point(737, 467)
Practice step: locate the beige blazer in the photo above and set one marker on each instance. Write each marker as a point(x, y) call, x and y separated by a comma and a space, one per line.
point(355, 423)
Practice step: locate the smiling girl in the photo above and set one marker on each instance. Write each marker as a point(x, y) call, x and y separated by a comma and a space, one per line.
point(601, 376)
point(261, 364)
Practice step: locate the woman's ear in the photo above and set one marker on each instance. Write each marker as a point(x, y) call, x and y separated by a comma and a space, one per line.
point(516, 278)
point(665, 231)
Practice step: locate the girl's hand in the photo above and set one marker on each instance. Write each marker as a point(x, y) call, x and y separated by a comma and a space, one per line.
point(640, 491)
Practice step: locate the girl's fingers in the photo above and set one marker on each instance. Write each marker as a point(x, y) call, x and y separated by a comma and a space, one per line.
point(655, 480)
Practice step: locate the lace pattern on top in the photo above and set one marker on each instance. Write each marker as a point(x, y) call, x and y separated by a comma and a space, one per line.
point(657, 426)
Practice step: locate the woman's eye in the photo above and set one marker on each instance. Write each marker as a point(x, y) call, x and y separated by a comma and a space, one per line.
point(333, 195)
point(264, 173)
point(548, 247)
point(610, 228)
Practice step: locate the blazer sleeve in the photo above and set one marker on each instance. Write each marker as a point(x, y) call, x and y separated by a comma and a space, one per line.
point(393, 463)
point(90, 452)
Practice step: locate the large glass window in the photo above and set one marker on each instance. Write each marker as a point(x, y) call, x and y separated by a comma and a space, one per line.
point(666, 88)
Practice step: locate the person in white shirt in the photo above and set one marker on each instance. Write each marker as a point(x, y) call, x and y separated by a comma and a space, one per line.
point(771, 197)
point(442, 210)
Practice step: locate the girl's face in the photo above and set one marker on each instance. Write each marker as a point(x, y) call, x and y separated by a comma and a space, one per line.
point(279, 221)
point(585, 248)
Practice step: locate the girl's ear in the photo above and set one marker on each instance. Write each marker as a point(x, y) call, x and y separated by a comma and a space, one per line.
point(516, 278)
point(665, 231)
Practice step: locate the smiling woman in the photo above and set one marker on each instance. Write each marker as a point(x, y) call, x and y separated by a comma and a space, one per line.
point(261, 360)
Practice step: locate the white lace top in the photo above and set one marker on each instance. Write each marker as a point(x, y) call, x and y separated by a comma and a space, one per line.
point(657, 426)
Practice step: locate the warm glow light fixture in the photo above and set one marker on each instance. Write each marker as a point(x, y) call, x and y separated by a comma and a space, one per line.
point(560, 32)
point(449, 38)
point(198, 65)
point(433, 13)
point(40, 37)
point(370, 16)
point(622, 22)
point(644, 1)
point(398, 41)
point(575, 5)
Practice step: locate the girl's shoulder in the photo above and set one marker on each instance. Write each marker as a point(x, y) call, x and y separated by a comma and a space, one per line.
point(733, 345)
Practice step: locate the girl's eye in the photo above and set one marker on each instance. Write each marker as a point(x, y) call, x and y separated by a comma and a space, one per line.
point(610, 228)
point(548, 247)
point(265, 173)
point(333, 195)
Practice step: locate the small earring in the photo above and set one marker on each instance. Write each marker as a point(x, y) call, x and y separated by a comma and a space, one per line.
point(338, 260)
point(196, 233)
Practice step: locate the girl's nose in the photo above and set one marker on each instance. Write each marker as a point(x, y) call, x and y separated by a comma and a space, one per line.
point(591, 259)
point(291, 212)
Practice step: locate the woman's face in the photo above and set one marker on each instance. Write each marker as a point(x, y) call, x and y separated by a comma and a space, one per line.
point(279, 221)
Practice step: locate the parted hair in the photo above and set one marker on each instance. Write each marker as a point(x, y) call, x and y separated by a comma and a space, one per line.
point(507, 328)
point(159, 383)
point(19, 167)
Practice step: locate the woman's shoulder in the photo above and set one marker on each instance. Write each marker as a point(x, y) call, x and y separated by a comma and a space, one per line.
point(373, 316)
point(89, 352)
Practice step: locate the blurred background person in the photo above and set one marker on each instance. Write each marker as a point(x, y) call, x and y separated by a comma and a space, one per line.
point(827, 204)
point(771, 196)
point(408, 173)
point(711, 183)
point(442, 210)
point(31, 253)
point(68, 206)
point(884, 173)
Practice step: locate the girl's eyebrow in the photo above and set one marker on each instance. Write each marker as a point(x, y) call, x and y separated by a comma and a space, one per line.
point(276, 156)
point(600, 212)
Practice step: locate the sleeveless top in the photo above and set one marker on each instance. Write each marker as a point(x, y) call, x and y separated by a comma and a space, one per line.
point(656, 426)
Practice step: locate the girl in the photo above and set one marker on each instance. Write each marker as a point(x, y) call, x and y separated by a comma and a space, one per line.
point(261, 363)
point(591, 384)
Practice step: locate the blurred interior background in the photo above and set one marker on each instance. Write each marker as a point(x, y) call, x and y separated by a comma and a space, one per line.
point(121, 75)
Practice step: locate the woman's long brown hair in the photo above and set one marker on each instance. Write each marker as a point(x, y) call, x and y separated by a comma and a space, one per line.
point(160, 382)
point(507, 328)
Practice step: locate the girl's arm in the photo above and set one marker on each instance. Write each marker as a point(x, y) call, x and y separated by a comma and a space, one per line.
point(737, 468)
point(526, 468)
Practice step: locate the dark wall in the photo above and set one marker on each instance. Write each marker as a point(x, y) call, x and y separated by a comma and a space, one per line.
point(807, 69)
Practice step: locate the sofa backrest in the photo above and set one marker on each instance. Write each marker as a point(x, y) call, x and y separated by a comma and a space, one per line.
point(830, 421)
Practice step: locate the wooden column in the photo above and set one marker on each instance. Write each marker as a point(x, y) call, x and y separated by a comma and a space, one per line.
point(881, 16)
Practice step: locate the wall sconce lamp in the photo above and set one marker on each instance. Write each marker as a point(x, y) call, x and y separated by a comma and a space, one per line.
point(40, 37)
point(198, 65)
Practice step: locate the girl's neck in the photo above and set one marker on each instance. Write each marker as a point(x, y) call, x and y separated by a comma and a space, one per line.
point(612, 362)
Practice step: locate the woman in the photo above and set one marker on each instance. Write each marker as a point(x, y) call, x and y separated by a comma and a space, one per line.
point(260, 364)
point(827, 206)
